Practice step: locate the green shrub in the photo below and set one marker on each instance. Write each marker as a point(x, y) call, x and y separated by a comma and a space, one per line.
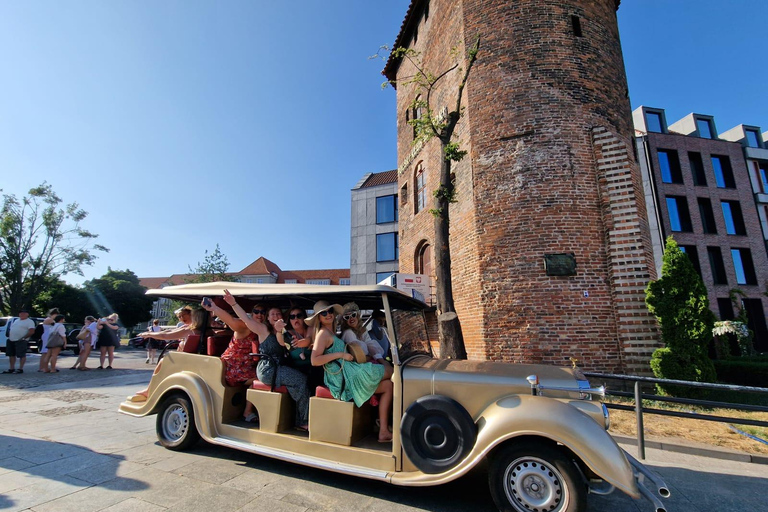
point(743, 371)
point(680, 303)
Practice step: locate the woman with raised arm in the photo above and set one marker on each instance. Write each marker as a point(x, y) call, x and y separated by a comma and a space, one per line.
point(196, 325)
point(348, 381)
point(273, 350)
point(240, 365)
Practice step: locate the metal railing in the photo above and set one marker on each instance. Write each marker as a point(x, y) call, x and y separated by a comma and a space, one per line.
point(640, 409)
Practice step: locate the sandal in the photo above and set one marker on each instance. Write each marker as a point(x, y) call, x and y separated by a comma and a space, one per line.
point(9, 371)
point(251, 417)
point(74, 368)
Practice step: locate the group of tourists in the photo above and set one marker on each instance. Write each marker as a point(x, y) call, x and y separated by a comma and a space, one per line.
point(299, 352)
point(101, 334)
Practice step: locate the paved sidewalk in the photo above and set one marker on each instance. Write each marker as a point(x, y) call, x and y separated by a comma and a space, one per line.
point(64, 446)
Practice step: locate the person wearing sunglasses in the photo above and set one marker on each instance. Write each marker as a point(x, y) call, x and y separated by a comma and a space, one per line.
point(298, 339)
point(269, 369)
point(354, 332)
point(346, 380)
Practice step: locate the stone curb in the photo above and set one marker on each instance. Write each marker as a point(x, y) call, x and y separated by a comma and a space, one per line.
point(692, 449)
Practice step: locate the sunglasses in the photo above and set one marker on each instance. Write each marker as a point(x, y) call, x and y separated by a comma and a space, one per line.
point(297, 315)
point(327, 312)
point(347, 316)
point(259, 311)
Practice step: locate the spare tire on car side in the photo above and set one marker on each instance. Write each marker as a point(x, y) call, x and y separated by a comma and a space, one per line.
point(437, 433)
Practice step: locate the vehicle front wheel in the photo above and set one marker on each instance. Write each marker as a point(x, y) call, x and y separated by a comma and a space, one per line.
point(176, 424)
point(535, 477)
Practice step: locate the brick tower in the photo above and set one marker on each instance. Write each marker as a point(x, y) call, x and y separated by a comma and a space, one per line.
point(550, 173)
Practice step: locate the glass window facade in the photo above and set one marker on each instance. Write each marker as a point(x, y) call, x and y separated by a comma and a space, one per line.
point(387, 247)
point(753, 138)
point(734, 220)
point(743, 266)
point(716, 265)
point(653, 122)
point(697, 169)
point(762, 174)
point(380, 276)
point(704, 126)
point(669, 165)
point(386, 209)
point(679, 216)
point(723, 171)
point(707, 216)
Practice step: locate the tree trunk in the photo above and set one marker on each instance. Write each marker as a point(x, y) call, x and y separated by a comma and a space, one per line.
point(449, 327)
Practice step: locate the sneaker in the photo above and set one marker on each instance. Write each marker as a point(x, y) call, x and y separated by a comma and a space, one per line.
point(10, 371)
point(147, 361)
point(22, 371)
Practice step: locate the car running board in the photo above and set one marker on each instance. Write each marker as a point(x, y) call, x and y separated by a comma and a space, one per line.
point(315, 462)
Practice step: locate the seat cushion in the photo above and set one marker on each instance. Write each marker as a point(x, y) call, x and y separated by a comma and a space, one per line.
point(257, 384)
point(323, 392)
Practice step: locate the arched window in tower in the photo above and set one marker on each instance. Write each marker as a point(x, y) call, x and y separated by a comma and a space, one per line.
point(420, 188)
point(416, 113)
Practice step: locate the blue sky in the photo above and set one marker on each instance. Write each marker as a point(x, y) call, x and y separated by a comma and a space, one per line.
point(182, 124)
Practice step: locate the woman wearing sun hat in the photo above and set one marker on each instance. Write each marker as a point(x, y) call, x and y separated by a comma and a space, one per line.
point(348, 381)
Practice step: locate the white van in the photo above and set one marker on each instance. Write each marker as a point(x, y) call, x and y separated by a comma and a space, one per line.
point(5, 329)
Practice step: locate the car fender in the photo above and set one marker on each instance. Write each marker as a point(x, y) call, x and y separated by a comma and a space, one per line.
point(527, 415)
point(187, 383)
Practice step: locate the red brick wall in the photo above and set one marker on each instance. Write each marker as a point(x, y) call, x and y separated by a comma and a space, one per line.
point(548, 128)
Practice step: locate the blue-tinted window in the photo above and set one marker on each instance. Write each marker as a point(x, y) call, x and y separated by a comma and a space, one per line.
point(386, 209)
point(670, 166)
point(653, 122)
point(742, 264)
point(723, 171)
point(753, 140)
point(734, 220)
point(762, 171)
point(705, 128)
point(380, 276)
point(386, 247)
point(679, 216)
point(693, 255)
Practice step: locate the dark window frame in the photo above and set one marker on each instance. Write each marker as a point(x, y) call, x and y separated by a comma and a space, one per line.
point(724, 178)
point(697, 169)
point(682, 215)
point(392, 198)
point(669, 166)
point(733, 217)
point(745, 267)
point(717, 265)
point(708, 225)
point(394, 251)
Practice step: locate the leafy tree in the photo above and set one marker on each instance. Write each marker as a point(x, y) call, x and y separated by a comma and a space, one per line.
point(440, 123)
point(119, 291)
point(680, 303)
point(214, 267)
point(40, 239)
point(71, 301)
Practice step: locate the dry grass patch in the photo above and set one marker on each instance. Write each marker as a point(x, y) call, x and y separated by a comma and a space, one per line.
point(707, 432)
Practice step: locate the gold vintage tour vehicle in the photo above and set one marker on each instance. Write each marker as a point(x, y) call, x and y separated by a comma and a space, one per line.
point(542, 428)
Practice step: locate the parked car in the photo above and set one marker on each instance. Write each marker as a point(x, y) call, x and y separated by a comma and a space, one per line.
point(72, 330)
point(541, 428)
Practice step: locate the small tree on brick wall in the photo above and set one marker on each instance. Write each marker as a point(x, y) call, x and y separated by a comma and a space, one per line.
point(679, 302)
point(440, 123)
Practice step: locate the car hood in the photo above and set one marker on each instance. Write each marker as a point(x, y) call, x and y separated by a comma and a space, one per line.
point(481, 382)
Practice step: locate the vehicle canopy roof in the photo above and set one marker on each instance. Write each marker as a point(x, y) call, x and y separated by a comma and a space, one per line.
point(298, 295)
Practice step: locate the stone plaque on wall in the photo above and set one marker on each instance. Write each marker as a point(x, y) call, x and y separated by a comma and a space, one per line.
point(560, 264)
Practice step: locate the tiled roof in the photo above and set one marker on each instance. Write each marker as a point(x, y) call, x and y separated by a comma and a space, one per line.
point(390, 68)
point(260, 267)
point(380, 178)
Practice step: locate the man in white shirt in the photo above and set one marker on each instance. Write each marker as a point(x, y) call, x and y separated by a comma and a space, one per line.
point(20, 332)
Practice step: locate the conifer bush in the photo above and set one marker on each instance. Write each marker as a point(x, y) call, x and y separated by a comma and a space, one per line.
point(680, 303)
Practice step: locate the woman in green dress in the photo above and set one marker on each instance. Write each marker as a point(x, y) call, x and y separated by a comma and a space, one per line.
point(345, 379)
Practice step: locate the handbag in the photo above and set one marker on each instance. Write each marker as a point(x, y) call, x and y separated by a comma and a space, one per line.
point(357, 353)
point(83, 334)
point(55, 340)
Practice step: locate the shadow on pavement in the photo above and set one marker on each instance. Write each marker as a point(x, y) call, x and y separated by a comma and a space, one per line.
point(37, 461)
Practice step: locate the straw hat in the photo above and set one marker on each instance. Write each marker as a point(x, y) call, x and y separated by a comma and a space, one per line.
point(319, 306)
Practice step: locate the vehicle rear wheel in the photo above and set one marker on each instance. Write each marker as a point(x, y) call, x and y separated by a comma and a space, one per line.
point(176, 424)
point(535, 477)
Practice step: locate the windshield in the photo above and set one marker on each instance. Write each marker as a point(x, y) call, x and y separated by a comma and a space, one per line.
point(414, 335)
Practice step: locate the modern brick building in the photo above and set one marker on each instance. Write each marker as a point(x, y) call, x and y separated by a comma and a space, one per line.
point(700, 190)
point(550, 177)
point(374, 249)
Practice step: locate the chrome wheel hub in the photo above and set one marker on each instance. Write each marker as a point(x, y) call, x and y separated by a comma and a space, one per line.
point(176, 422)
point(531, 485)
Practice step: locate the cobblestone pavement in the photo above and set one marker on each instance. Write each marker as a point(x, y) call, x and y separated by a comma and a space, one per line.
point(64, 447)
